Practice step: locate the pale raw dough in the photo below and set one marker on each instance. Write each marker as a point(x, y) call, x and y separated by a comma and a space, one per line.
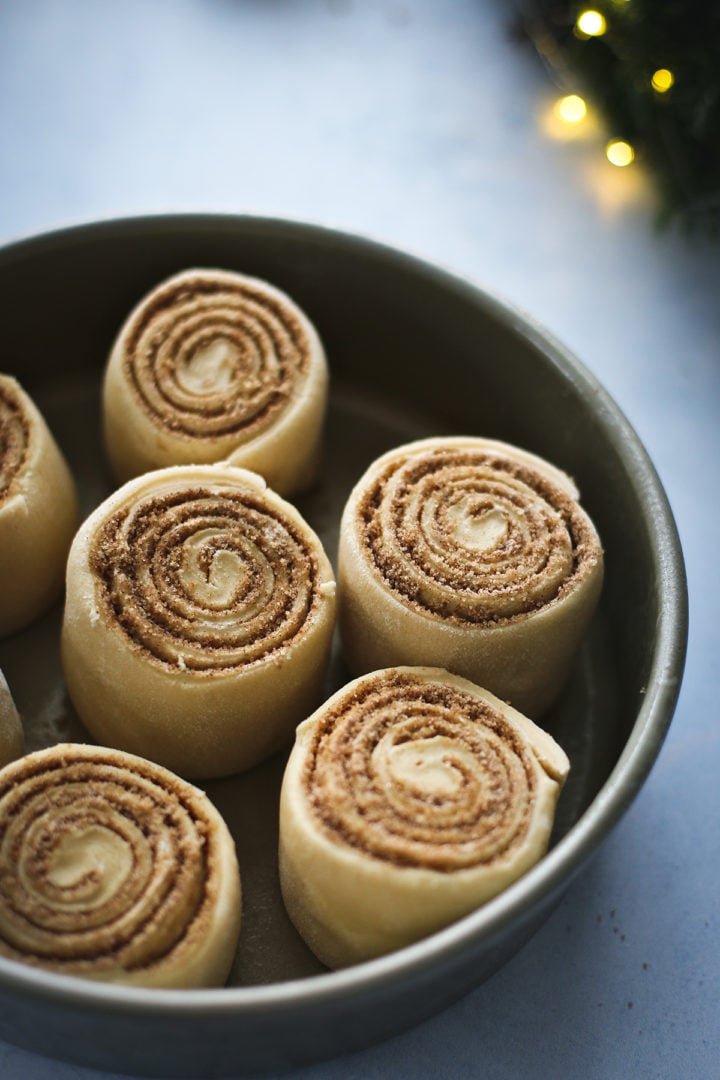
point(198, 620)
point(38, 511)
point(12, 740)
point(213, 366)
point(114, 869)
point(473, 555)
point(410, 798)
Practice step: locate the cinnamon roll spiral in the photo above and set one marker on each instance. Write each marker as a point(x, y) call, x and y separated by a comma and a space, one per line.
point(410, 798)
point(471, 554)
point(213, 366)
point(114, 869)
point(198, 619)
point(38, 510)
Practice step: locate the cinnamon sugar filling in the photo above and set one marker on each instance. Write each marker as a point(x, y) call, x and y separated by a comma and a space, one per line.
point(207, 357)
point(419, 773)
point(101, 865)
point(474, 537)
point(14, 439)
point(206, 579)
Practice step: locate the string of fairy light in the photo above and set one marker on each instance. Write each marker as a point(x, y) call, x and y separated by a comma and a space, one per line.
point(640, 86)
point(572, 109)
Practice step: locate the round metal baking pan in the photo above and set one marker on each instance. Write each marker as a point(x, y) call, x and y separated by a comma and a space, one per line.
point(413, 351)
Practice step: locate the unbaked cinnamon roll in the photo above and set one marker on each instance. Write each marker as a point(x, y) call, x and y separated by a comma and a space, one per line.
point(38, 510)
point(198, 619)
point(474, 555)
point(12, 738)
point(113, 869)
point(213, 366)
point(410, 798)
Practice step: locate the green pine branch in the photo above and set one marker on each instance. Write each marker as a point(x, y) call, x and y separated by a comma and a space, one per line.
point(677, 133)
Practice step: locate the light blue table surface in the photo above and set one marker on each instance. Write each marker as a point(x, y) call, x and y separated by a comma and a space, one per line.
point(424, 124)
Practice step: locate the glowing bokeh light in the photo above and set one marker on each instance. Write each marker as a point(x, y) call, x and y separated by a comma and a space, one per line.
point(662, 80)
point(591, 23)
point(620, 153)
point(571, 108)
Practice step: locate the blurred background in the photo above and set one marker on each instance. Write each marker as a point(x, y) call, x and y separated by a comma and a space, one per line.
point(567, 164)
